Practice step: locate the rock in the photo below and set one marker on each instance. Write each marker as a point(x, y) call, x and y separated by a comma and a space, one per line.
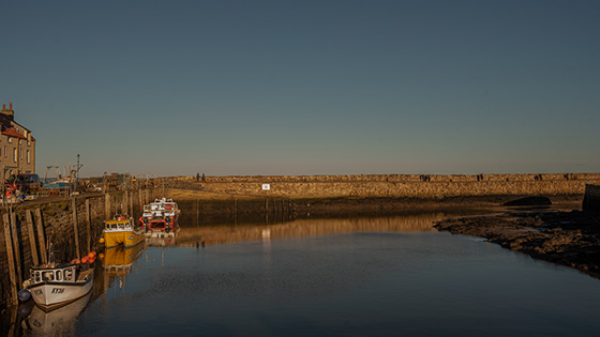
point(567, 238)
point(530, 201)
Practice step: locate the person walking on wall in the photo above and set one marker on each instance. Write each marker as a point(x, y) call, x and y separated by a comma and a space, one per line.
point(197, 176)
point(203, 178)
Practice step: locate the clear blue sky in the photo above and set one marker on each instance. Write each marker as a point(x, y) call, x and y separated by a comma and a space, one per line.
point(306, 87)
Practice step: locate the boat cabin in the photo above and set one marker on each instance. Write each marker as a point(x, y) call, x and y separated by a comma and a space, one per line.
point(125, 224)
point(160, 208)
point(67, 274)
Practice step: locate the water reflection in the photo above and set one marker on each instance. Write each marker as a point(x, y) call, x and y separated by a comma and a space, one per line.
point(118, 262)
point(161, 239)
point(371, 281)
point(58, 322)
point(193, 235)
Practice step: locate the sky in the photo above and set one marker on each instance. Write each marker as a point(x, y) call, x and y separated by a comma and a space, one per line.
point(172, 88)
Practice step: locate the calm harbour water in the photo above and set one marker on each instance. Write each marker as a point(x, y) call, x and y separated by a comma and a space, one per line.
point(359, 277)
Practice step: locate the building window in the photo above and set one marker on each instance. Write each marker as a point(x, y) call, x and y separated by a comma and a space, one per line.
point(15, 155)
point(28, 157)
point(9, 139)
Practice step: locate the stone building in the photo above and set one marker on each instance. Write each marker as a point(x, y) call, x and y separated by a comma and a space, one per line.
point(17, 145)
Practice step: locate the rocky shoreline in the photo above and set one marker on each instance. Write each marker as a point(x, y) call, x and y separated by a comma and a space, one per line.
point(566, 238)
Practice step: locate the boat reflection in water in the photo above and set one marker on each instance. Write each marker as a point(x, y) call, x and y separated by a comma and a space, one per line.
point(119, 261)
point(161, 238)
point(58, 322)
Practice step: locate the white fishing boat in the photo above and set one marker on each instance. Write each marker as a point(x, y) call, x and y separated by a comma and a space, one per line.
point(162, 215)
point(54, 285)
point(59, 322)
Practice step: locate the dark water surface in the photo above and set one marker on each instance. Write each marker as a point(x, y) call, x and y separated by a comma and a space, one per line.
point(357, 277)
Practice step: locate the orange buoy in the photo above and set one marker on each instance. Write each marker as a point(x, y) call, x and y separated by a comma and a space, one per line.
point(91, 255)
point(101, 255)
point(101, 240)
point(84, 259)
point(75, 261)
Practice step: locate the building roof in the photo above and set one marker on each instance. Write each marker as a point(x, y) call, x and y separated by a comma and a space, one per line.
point(9, 130)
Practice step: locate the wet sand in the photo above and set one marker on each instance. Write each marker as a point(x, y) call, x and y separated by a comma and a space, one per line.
point(566, 238)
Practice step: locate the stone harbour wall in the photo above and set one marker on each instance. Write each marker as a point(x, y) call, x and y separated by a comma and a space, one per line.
point(395, 186)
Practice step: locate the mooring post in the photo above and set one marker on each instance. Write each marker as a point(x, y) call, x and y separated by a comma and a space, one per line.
point(141, 198)
point(88, 227)
point(75, 229)
point(106, 206)
point(16, 247)
point(124, 205)
point(12, 299)
point(131, 203)
point(39, 223)
point(34, 250)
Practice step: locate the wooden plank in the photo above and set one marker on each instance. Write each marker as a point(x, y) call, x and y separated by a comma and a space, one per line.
point(75, 228)
point(88, 227)
point(12, 298)
point(39, 223)
point(16, 247)
point(34, 250)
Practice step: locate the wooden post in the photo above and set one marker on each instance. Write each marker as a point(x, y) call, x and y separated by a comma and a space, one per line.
point(13, 314)
point(131, 203)
point(41, 238)
point(34, 250)
point(124, 206)
point(75, 229)
point(140, 196)
point(16, 248)
point(106, 206)
point(88, 227)
point(12, 298)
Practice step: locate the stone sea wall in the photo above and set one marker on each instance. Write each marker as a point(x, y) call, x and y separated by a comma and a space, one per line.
point(395, 185)
point(591, 200)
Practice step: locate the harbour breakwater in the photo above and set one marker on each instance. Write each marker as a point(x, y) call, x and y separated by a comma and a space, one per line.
point(390, 186)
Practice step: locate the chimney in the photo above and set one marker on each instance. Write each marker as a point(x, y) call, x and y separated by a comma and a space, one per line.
point(8, 113)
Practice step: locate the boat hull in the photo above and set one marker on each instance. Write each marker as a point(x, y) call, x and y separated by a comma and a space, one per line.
point(52, 295)
point(59, 322)
point(127, 238)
